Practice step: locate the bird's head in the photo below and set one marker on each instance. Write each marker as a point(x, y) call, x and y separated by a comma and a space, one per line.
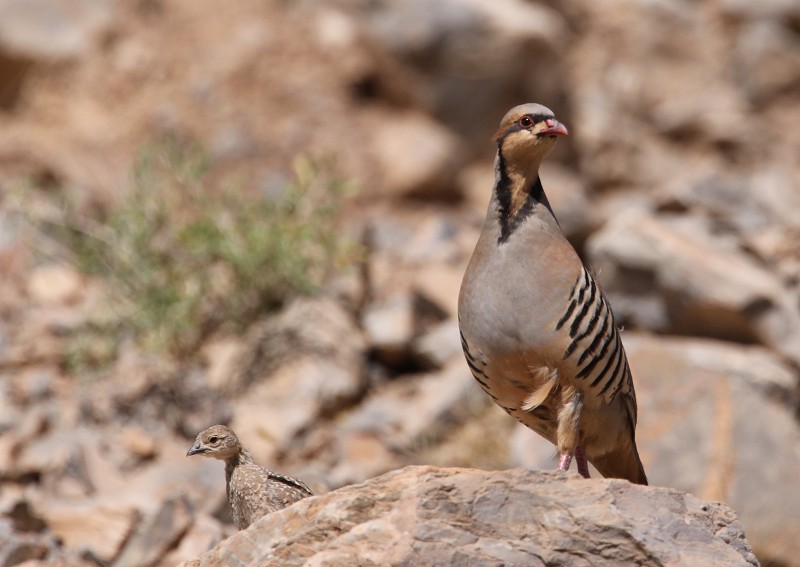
point(528, 132)
point(218, 442)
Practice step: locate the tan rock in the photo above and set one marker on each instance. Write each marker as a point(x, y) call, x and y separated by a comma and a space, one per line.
point(156, 534)
point(717, 420)
point(441, 400)
point(438, 346)
point(438, 397)
point(69, 29)
point(567, 194)
point(440, 284)
point(360, 455)
point(677, 277)
point(389, 327)
point(307, 327)
point(303, 363)
point(203, 535)
point(272, 413)
point(415, 154)
point(769, 56)
point(59, 457)
point(221, 356)
point(97, 528)
point(21, 548)
point(55, 284)
point(139, 442)
point(434, 516)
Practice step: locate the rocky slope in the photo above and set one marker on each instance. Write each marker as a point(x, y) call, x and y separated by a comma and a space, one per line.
point(679, 184)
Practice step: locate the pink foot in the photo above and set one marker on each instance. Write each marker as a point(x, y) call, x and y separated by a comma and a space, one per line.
point(564, 461)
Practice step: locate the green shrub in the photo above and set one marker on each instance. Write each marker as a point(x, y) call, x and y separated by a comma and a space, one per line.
point(185, 256)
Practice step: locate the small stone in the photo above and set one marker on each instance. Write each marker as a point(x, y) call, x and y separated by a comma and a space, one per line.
point(769, 56)
point(19, 549)
point(55, 284)
point(438, 346)
point(46, 29)
point(34, 383)
point(389, 326)
point(139, 442)
point(440, 284)
point(221, 356)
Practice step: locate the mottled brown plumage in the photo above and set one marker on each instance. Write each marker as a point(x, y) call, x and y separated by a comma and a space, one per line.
point(253, 491)
point(536, 329)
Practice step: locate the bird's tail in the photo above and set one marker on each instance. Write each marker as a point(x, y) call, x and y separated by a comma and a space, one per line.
point(622, 462)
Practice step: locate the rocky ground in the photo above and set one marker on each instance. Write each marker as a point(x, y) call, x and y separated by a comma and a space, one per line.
point(679, 184)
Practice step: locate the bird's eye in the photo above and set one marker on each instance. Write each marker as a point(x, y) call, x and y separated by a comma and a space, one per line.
point(213, 439)
point(525, 122)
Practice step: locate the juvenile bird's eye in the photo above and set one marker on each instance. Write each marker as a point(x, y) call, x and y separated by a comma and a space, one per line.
point(525, 122)
point(213, 439)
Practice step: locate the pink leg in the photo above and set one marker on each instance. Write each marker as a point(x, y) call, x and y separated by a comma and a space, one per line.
point(564, 460)
point(580, 459)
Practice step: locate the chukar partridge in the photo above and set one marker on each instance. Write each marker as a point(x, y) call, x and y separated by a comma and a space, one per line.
point(253, 491)
point(536, 329)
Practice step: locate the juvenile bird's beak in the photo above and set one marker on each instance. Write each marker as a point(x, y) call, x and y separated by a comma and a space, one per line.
point(196, 448)
point(554, 128)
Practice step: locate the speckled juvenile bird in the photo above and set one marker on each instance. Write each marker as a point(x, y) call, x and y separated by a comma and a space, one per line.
point(253, 491)
point(536, 329)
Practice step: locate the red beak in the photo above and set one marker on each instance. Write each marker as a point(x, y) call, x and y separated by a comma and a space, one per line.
point(554, 128)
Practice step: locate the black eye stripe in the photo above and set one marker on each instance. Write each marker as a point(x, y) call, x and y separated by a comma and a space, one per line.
point(516, 126)
point(533, 119)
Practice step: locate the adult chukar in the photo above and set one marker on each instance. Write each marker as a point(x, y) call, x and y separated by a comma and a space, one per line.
point(536, 329)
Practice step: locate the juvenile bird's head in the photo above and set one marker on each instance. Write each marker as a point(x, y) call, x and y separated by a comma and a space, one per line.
point(217, 441)
point(527, 133)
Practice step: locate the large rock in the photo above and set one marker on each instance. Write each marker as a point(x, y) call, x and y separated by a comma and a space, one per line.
point(16, 548)
point(47, 29)
point(416, 155)
point(717, 420)
point(389, 327)
point(675, 275)
point(769, 59)
point(302, 364)
point(95, 529)
point(384, 426)
point(157, 534)
point(436, 516)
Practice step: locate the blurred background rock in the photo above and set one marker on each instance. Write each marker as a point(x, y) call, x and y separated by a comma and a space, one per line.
point(258, 213)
